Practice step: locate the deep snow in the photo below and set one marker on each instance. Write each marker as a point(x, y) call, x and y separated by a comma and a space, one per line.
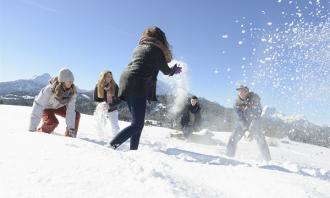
point(42, 165)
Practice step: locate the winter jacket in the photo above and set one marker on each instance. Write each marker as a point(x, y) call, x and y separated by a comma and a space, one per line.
point(46, 100)
point(115, 100)
point(248, 109)
point(191, 115)
point(140, 76)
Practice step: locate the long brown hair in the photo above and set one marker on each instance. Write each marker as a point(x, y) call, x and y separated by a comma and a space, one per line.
point(154, 35)
point(101, 84)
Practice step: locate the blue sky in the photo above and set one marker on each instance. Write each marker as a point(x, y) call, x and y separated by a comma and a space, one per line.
point(42, 36)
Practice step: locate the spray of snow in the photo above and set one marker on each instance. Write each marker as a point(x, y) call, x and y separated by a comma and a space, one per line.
point(101, 122)
point(179, 85)
point(293, 57)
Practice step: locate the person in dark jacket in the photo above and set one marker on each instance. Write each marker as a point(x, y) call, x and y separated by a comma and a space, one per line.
point(191, 117)
point(138, 81)
point(106, 90)
point(248, 109)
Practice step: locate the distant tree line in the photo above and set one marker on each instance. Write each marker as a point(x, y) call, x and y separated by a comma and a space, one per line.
point(214, 117)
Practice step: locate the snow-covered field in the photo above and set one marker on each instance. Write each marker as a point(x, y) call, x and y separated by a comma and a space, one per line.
point(41, 165)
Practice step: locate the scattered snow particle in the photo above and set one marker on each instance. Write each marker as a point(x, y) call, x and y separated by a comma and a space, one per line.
point(225, 36)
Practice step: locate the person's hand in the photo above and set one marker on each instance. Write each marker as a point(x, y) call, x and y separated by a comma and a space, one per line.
point(72, 133)
point(31, 128)
point(176, 69)
point(248, 136)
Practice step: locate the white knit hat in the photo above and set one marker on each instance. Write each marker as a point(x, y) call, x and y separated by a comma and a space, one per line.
point(65, 75)
point(243, 87)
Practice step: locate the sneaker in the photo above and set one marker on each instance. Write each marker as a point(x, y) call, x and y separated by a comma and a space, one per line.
point(114, 147)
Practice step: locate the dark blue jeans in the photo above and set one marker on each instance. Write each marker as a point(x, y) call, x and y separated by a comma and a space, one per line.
point(137, 107)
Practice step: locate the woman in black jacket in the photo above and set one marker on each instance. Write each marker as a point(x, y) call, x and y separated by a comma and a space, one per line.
point(138, 81)
point(106, 90)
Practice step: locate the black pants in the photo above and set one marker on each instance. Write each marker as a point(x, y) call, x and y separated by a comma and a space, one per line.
point(187, 130)
point(137, 107)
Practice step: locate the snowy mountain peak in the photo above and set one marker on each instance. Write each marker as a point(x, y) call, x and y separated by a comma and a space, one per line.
point(298, 119)
point(25, 85)
point(269, 112)
point(42, 79)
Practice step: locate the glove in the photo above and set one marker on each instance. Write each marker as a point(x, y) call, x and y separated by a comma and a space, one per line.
point(72, 133)
point(176, 69)
point(31, 127)
point(248, 136)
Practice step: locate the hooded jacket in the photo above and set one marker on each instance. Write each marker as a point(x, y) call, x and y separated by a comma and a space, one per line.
point(46, 99)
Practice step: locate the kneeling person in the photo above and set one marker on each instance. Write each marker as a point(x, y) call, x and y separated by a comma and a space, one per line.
point(57, 98)
point(191, 117)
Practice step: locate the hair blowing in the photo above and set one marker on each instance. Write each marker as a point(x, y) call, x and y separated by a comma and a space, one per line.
point(157, 33)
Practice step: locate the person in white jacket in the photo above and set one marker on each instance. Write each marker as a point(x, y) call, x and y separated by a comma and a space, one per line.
point(57, 98)
point(106, 90)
